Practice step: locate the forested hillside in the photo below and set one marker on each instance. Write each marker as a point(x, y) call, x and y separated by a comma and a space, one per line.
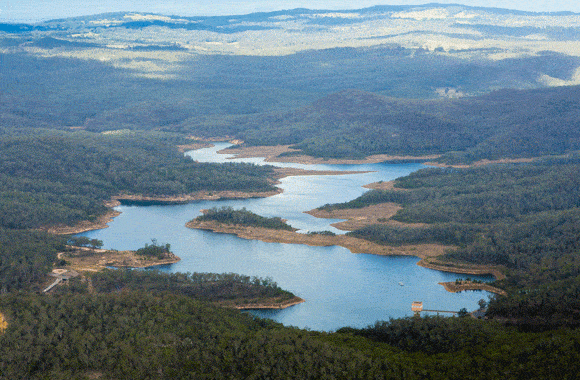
point(93, 107)
point(523, 217)
point(49, 178)
point(139, 335)
point(356, 124)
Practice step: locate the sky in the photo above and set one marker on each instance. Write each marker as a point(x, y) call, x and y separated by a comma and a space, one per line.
point(13, 11)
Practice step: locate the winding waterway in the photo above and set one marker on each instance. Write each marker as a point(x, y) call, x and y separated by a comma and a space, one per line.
point(340, 288)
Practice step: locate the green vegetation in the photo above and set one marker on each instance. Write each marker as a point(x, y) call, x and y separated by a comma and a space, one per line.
point(83, 241)
point(154, 250)
point(524, 217)
point(356, 124)
point(144, 324)
point(156, 335)
point(454, 348)
point(228, 288)
point(25, 258)
point(323, 233)
point(52, 178)
point(243, 217)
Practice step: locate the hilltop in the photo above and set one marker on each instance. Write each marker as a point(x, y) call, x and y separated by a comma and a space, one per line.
point(356, 124)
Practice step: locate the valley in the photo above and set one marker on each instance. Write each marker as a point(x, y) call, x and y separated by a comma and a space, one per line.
point(355, 162)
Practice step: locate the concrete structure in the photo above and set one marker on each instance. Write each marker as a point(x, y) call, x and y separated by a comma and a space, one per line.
point(61, 275)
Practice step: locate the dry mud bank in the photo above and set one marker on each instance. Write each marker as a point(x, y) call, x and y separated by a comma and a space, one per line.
point(102, 222)
point(455, 287)
point(428, 253)
point(283, 153)
point(355, 245)
point(269, 305)
point(90, 259)
point(360, 217)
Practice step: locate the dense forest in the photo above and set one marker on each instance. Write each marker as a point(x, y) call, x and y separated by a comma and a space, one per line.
point(356, 124)
point(524, 217)
point(242, 217)
point(129, 333)
point(75, 132)
point(217, 288)
point(26, 257)
point(52, 177)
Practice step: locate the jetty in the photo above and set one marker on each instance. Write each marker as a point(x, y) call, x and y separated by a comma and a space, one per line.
point(417, 308)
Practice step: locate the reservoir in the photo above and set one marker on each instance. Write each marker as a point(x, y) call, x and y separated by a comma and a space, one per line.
point(340, 288)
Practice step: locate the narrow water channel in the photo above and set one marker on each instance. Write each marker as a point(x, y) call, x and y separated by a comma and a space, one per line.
point(340, 288)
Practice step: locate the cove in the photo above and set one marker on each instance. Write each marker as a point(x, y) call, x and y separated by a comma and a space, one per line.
point(340, 288)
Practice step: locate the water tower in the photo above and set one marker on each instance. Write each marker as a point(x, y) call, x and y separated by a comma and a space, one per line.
point(417, 307)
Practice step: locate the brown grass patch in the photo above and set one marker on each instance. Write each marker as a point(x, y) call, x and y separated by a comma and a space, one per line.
point(362, 217)
point(89, 259)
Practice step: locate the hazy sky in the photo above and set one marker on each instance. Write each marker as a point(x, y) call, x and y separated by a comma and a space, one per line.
point(35, 10)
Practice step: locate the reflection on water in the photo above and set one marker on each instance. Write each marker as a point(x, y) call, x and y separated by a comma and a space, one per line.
point(340, 288)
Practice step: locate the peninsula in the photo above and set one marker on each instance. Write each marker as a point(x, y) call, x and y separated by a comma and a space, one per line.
point(428, 253)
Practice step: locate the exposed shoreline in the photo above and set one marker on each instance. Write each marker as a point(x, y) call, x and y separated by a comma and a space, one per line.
point(93, 259)
point(380, 214)
point(427, 253)
point(271, 306)
point(454, 287)
point(103, 221)
point(85, 225)
point(285, 154)
point(360, 217)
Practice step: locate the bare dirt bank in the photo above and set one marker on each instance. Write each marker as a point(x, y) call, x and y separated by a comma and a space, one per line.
point(90, 259)
point(283, 153)
point(484, 162)
point(85, 225)
point(289, 172)
point(428, 253)
point(361, 217)
point(270, 305)
point(198, 196)
point(194, 146)
point(102, 222)
point(355, 245)
point(455, 287)
point(481, 270)
point(383, 185)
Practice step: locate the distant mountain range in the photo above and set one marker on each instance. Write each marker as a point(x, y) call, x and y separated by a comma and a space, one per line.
point(329, 81)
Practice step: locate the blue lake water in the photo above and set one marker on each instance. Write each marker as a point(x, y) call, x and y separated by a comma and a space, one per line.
point(340, 288)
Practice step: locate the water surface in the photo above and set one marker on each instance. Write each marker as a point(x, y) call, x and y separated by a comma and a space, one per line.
point(340, 288)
